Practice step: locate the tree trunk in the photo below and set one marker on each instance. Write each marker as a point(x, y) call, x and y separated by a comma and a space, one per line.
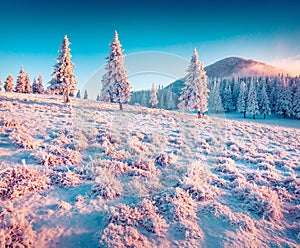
point(244, 114)
point(265, 116)
point(121, 106)
point(253, 116)
point(199, 114)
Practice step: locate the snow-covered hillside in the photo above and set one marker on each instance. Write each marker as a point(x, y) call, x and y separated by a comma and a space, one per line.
point(90, 175)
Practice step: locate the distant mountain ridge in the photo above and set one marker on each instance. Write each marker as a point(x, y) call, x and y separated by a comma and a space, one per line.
point(234, 66)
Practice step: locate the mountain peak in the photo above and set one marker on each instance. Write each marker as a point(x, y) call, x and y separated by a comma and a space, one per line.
point(236, 66)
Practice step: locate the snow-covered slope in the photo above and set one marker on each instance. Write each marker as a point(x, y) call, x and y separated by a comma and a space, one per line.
point(88, 175)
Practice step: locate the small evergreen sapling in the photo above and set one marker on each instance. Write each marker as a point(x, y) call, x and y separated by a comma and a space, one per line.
point(9, 84)
point(153, 100)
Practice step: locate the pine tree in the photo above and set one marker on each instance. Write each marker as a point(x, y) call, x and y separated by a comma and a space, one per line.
point(63, 78)
point(27, 88)
point(20, 85)
point(115, 85)
point(78, 94)
point(162, 99)
point(264, 104)
point(170, 100)
point(252, 104)
point(35, 87)
point(143, 99)
point(194, 95)
point(227, 97)
point(40, 84)
point(296, 103)
point(85, 95)
point(215, 101)
point(242, 99)
point(284, 102)
point(153, 100)
point(9, 84)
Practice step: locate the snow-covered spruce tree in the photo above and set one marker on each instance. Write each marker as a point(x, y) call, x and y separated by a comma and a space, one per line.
point(28, 88)
point(78, 94)
point(153, 100)
point(143, 98)
point(85, 95)
point(9, 84)
point(162, 99)
point(63, 78)
point(170, 100)
point(235, 85)
point(284, 101)
point(242, 99)
point(296, 103)
point(115, 85)
point(20, 85)
point(264, 104)
point(194, 95)
point(35, 87)
point(252, 104)
point(227, 97)
point(215, 101)
point(40, 84)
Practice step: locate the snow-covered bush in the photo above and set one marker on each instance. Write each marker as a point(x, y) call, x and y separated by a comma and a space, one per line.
point(165, 159)
point(65, 179)
point(106, 185)
point(20, 181)
point(20, 138)
point(15, 230)
point(123, 236)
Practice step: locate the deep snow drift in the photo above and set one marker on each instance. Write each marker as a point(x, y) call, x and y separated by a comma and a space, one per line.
point(89, 175)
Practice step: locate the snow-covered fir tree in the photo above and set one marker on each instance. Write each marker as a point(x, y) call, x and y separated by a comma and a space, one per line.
point(85, 95)
point(194, 95)
point(215, 101)
point(27, 88)
point(143, 98)
point(35, 87)
point(170, 100)
point(252, 104)
point(227, 97)
point(9, 84)
point(63, 78)
point(20, 84)
point(78, 94)
point(235, 86)
point(264, 104)
point(296, 103)
point(284, 101)
point(162, 99)
point(115, 85)
point(40, 84)
point(242, 99)
point(153, 100)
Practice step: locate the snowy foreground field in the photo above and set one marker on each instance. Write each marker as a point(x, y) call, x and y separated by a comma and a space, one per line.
point(88, 175)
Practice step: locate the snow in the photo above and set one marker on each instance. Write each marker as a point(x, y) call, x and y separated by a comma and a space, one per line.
point(97, 176)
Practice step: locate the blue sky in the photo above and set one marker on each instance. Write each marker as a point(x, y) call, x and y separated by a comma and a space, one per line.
point(31, 31)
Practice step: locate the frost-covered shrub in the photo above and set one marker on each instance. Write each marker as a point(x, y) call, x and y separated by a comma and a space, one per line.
point(224, 213)
point(226, 165)
point(176, 204)
point(56, 155)
point(106, 185)
point(141, 215)
point(142, 166)
point(15, 230)
point(123, 237)
point(65, 179)
point(20, 181)
point(136, 146)
point(186, 229)
point(196, 182)
point(22, 139)
point(261, 200)
point(165, 159)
